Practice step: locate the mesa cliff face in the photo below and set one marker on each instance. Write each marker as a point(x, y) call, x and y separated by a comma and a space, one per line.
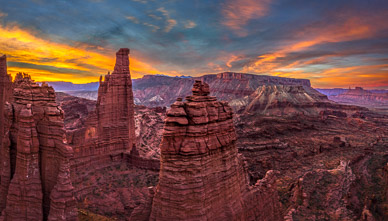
point(234, 87)
point(201, 175)
point(34, 155)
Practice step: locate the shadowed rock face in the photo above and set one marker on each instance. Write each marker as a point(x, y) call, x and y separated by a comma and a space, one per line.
point(115, 108)
point(201, 175)
point(5, 95)
point(35, 156)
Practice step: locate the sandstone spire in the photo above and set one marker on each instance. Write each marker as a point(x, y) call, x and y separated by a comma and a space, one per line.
point(35, 154)
point(115, 107)
point(24, 200)
point(200, 176)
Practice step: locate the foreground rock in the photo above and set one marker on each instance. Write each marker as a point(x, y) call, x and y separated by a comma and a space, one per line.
point(201, 175)
point(35, 156)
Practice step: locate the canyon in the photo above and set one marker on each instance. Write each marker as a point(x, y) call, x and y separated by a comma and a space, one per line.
point(230, 146)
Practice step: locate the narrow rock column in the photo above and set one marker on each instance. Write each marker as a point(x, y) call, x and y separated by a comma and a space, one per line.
point(24, 200)
point(115, 108)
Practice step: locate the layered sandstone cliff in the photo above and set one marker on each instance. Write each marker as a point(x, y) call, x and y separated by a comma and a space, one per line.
point(233, 87)
point(34, 155)
point(201, 175)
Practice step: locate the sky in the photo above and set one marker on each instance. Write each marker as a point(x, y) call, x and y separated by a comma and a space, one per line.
point(334, 43)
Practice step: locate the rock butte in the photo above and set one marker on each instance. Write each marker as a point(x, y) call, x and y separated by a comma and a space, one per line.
point(35, 184)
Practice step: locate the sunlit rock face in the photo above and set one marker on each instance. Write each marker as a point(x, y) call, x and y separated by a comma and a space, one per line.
point(102, 134)
point(35, 155)
point(201, 175)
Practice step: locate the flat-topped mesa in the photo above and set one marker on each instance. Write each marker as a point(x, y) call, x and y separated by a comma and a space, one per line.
point(115, 108)
point(201, 176)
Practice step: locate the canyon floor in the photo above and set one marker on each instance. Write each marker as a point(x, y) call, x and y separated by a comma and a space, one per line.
point(331, 166)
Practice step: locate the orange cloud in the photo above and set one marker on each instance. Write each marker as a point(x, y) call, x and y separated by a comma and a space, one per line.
point(237, 13)
point(25, 46)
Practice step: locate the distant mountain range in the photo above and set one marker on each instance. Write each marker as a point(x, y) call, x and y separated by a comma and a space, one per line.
point(338, 91)
point(61, 86)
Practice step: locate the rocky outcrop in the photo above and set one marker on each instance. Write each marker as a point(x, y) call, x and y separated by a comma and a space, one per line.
point(201, 175)
point(325, 192)
point(108, 130)
point(35, 153)
point(115, 107)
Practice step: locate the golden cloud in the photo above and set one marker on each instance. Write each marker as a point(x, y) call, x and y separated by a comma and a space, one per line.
point(25, 46)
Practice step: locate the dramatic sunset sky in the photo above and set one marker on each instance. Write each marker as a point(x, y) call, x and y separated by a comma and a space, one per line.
point(334, 43)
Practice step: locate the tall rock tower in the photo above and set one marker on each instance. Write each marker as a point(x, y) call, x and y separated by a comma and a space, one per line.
point(5, 95)
point(200, 176)
point(35, 156)
point(115, 108)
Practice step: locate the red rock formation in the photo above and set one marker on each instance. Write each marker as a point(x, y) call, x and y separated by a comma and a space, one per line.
point(115, 107)
point(24, 199)
point(47, 140)
point(5, 95)
point(201, 176)
point(326, 191)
